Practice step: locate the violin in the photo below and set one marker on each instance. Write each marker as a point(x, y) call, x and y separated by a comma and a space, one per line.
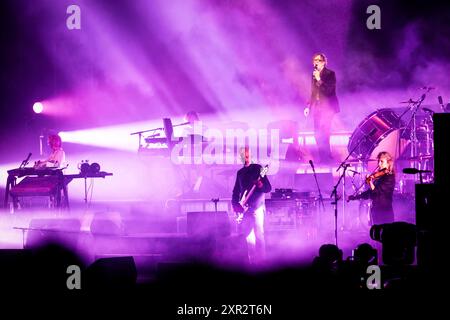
point(376, 175)
point(369, 178)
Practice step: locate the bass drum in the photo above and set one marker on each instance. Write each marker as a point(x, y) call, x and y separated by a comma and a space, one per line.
point(382, 130)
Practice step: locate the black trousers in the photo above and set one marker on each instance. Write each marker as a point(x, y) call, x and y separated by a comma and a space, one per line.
point(323, 118)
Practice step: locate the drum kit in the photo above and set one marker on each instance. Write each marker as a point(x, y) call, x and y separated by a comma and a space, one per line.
point(409, 142)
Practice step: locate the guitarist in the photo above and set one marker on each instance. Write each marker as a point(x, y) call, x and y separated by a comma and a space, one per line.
point(251, 221)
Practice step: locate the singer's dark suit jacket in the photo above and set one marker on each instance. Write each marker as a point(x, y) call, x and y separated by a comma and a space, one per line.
point(323, 92)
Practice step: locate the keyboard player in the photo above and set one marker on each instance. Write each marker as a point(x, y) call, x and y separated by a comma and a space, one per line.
point(57, 158)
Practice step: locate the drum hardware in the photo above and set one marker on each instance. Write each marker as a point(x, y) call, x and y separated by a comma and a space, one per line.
point(429, 111)
point(412, 124)
point(385, 125)
point(414, 171)
point(421, 157)
point(445, 109)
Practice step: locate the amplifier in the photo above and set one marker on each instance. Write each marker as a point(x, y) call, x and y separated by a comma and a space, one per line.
point(291, 194)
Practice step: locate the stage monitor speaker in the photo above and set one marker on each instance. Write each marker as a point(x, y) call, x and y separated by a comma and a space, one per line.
point(305, 182)
point(205, 224)
point(64, 231)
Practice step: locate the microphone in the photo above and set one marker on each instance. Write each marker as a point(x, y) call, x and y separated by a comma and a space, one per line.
point(311, 164)
point(353, 171)
point(315, 69)
point(27, 159)
point(428, 110)
point(372, 132)
point(414, 171)
point(25, 162)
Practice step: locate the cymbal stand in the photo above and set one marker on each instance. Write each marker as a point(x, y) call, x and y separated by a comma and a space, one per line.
point(415, 105)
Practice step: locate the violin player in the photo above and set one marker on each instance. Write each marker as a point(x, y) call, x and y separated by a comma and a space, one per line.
point(381, 189)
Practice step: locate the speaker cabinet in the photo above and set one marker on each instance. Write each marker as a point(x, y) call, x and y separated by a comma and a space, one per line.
point(441, 123)
point(431, 221)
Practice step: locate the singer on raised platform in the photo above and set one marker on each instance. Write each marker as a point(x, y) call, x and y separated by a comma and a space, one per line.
point(380, 191)
point(323, 104)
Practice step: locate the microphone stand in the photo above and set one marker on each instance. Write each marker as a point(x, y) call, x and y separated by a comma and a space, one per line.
point(321, 205)
point(335, 202)
point(346, 165)
point(140, 135)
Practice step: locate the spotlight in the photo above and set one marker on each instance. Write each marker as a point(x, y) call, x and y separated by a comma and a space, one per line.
point(398, 239)
point(38, 107)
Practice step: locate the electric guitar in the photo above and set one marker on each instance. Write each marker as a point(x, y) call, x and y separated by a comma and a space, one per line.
point(248, 193)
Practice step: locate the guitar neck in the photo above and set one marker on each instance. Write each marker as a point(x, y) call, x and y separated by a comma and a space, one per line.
point(249, 194)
